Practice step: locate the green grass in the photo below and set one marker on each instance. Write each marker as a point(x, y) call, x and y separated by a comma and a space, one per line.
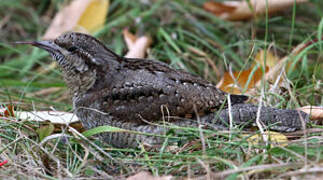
point(175, 27)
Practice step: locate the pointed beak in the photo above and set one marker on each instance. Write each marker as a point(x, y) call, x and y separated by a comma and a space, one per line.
point(49, 46)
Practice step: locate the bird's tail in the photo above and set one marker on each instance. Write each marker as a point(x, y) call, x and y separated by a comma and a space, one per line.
point(284, 120)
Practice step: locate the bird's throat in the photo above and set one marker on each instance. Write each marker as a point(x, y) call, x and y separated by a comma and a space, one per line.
point(80, 83)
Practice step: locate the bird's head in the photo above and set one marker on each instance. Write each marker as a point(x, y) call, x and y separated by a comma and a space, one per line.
point(79, 56)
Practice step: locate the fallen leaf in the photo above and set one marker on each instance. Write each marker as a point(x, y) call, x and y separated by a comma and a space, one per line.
point(80, 15)
point(147, 176)
point(6, 111)
point(55, 117)
point(137, 46)
point(219, 8)
point(94, 15)
point(45, 131)
point(275, 138)
point(239, 82)
point(274, 72)
point(241, 10)
point(316, 112)
point(270, 60)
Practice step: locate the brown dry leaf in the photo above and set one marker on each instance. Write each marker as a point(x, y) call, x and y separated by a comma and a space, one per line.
point(229, 85)
point(274, 73)
point(147, 176)
point(7, 111)
point(240, 10)
point(239, 82)
point(137, 46)
point(316, 112)
point(275, 138)
point(81, 15)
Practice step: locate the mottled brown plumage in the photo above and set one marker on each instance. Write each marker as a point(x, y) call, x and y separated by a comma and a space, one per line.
point(129, 93)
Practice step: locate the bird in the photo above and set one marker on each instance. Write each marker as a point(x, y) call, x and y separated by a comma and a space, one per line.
point(135, 95)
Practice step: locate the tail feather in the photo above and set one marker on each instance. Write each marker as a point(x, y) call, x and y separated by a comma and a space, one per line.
point(284, 120)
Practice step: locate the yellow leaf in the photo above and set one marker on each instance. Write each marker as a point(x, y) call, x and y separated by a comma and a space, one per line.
point(275, 138)
point(240, 81)
point(94, 15)
point(247, 79)
point(80, 15)
point(271, 59)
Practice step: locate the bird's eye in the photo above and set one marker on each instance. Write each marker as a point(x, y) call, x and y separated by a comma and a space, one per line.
point(72, 48)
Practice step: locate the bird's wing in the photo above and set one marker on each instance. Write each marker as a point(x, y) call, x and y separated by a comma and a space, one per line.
point(152, 90)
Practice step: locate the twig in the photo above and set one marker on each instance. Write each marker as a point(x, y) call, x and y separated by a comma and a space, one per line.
point(230, 116)
point(259, 125)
